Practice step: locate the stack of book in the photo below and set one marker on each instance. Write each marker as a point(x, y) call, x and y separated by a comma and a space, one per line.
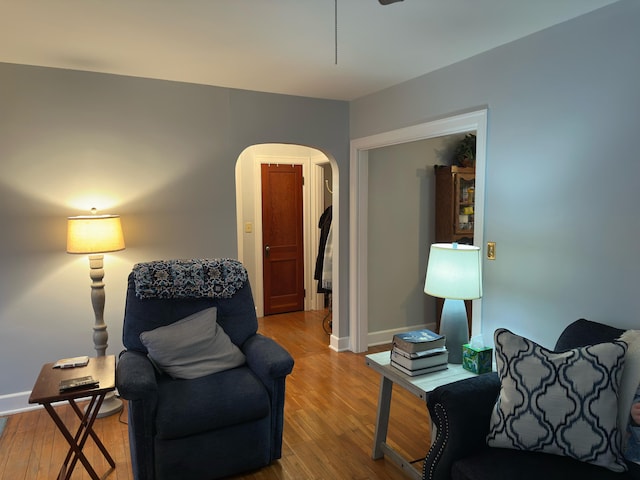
point(419, 352)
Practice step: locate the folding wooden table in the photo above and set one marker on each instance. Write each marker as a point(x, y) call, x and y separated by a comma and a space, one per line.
point(46, 391)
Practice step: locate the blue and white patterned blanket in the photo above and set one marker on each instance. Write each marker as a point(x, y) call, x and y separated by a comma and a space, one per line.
point(195, 278)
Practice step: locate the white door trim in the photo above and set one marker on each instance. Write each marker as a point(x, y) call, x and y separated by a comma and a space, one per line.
point(358, 208)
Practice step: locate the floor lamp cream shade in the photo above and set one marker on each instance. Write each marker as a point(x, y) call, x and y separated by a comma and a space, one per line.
point(95, 235)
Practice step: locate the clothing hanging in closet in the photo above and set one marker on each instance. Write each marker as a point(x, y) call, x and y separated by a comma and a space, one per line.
point(324, 225)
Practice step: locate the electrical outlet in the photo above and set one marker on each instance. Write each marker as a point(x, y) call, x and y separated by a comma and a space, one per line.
point(491, 250)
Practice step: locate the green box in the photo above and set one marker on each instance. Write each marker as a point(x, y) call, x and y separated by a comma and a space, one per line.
point(477, 360)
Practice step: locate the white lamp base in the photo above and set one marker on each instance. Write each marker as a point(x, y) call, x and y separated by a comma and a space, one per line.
point(111, 405)
point(454, 326)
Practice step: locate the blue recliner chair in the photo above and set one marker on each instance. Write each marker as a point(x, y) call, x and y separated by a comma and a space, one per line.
point(216, 424)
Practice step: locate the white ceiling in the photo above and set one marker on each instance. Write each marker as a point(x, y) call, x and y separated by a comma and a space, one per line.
point(280, 46)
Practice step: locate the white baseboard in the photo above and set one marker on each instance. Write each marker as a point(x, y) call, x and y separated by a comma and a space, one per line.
point(339, 344)
point(385, 336)
point(19, 403)
point(16, 403)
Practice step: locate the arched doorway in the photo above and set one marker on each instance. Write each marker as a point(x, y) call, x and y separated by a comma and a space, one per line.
point(320, 174)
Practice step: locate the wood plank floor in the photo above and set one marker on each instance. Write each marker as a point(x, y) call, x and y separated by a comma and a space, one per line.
point(330, 409)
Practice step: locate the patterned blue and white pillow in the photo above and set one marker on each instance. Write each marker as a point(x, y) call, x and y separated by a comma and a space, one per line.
point(559, 403)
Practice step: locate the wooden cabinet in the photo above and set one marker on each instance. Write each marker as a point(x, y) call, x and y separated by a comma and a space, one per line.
point(455, 211)
point(455, 204)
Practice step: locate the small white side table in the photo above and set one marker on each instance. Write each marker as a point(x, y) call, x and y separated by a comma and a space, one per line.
point(419, 386)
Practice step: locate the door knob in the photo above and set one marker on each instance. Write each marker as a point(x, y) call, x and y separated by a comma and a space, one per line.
point(267, 249)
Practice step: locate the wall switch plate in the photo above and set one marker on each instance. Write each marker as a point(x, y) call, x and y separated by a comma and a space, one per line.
point(248, 227)
point(491, 250)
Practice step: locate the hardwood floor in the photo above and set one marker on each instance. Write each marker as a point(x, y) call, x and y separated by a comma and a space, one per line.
point(330, 409)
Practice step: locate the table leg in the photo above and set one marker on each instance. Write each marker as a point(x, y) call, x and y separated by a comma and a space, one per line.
point(83, 429)
point(94, 408)
point(77, 442)
point(75, 450)
point(382, 417)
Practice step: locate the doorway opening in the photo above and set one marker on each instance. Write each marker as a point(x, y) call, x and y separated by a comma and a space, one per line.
point(359, 335)
point(319, 176)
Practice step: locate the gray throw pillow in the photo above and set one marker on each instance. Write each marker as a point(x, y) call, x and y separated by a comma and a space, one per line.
point(630, 380)
point(559, 403)
point(192, 347)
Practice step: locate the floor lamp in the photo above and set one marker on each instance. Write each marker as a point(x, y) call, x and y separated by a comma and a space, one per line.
point(454, 273)
point(95, 235)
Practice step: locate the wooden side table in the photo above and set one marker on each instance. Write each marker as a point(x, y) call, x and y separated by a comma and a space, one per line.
point(419, 386)
point(46, 391)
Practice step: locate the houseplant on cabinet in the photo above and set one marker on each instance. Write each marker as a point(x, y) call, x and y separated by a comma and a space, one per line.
point(465, 153)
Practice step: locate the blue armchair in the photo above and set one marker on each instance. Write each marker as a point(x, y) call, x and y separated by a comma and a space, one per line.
point(213, 425)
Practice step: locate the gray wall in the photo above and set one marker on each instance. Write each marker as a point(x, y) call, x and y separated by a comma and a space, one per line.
point(562, 167)
point(562, 174)
point(401, 227)
point(161, 154)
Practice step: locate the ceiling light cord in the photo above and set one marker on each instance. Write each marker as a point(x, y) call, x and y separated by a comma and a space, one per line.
point(335, 30)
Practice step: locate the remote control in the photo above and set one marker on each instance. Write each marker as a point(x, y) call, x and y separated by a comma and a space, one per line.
point(79, 382)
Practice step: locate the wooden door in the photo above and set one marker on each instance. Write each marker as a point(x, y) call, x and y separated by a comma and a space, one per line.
point(282, 239)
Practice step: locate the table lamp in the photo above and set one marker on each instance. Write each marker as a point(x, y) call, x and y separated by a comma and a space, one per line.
point(454, 273)
point(95, 235)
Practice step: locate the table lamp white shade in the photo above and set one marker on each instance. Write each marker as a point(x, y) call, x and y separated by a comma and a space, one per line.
point(95, 235)
point(454, 273)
